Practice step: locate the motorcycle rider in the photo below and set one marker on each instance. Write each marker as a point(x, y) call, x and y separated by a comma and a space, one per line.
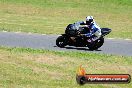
point(95, 30)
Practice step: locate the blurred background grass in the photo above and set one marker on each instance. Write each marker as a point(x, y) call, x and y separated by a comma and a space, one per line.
point(52, 16)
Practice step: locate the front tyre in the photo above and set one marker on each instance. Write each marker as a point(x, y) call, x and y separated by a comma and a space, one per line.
point(97, 44)
point(61, 41)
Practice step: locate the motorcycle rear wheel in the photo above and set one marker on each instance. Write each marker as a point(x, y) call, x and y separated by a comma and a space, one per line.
point(97, 44)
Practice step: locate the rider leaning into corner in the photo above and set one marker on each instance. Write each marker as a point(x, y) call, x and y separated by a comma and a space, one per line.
point(95, 30)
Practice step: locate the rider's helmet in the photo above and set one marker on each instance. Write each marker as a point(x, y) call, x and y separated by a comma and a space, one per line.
point(89, 20)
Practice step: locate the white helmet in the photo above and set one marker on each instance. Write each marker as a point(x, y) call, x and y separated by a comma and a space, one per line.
point(89, 20)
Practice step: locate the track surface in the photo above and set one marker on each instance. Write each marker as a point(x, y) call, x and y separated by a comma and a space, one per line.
point(36, 41)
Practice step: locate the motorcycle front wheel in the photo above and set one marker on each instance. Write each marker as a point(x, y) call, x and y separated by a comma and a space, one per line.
point(61, 41)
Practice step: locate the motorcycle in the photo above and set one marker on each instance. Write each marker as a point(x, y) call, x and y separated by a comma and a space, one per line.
point(72, 37)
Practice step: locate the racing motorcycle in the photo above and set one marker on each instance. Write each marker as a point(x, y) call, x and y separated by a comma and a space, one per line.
point(72, 37)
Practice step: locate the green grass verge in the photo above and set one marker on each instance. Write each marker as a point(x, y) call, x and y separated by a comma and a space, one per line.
point(52, 16)
point(29, 68)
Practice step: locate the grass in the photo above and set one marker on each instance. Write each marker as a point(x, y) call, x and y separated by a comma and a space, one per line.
point(52, 16)
point(29, 68)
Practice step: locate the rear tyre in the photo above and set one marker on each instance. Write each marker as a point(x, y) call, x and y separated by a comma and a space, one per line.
point(61, 41)
point(97, 44)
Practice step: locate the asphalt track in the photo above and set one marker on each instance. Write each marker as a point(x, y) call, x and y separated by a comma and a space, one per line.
point(37, 41)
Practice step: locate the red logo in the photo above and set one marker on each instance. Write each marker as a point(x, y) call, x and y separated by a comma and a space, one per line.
point(83, 78)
